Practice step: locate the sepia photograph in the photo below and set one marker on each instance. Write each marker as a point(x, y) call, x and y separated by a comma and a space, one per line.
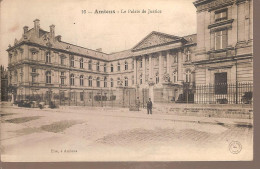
point(126, 80)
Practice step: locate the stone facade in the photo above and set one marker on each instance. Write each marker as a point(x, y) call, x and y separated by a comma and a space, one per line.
point(160, 65)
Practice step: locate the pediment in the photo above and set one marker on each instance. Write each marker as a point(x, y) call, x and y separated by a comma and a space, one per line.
point(155, 39)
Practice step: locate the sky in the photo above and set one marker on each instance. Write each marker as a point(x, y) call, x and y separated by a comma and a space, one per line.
point(112, 32)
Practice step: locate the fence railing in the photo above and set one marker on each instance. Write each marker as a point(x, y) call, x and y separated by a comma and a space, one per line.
point(224, 93)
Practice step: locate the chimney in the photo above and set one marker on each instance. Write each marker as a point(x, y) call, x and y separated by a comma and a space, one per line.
point(52, 31)
point(37, 27)
point(99, 49)
point(58, 38)
point(25, 29)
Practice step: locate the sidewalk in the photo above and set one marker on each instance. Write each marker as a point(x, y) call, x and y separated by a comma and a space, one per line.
point(124, 112)
point(142, 114)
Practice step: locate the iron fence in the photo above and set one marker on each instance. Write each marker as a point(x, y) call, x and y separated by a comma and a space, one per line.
point(238, 93)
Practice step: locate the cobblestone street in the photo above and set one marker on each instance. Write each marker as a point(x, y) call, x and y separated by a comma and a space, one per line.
point(105, 134)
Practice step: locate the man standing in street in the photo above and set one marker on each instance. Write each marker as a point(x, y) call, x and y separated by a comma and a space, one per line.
point(149, 106)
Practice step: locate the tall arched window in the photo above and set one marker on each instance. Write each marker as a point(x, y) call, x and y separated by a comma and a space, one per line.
point(81, 63)
point(174, 76)
point(141, 79)
point(105, 82)
point(48, 77)
point(188, 75)
point(90, 65)
point(126, 65)
point(112, 67)
point(111, 82)
point(118, 66)
point(90, 81)
point(126, 81)
point(72, 79)
point(98, 82)
point(105, 67)
point(157, 78)
point(98, 66)
point(71, 61)
point(81, 80)
point(48, 57)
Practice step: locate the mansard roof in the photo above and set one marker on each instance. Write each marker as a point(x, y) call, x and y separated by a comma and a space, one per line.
point(155, 41)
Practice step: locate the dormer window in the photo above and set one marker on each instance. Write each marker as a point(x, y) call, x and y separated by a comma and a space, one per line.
point(221, 15)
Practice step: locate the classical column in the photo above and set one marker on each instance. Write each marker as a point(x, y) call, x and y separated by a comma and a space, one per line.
point(160, 68)
point(143, 67)
point(180, 75)
point(135, 71)
point(150, 68)
point(168, 63)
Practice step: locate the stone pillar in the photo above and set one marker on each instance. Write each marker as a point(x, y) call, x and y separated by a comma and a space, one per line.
point(180, 75)
point(150, 68)
point(143, 67)
point(160, 68)
point(168, 63)
point(151, 95)
point(135, 71)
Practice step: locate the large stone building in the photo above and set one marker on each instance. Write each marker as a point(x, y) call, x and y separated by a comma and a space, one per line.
point(161, 66)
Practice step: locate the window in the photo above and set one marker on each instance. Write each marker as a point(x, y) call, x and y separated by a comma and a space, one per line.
point(188, 75)
point(112, 68)
point(81, 63)
point(221, 15)
point(175, 59)
point(33, 79)
point(221, 83)
point(98, 66)
point(71, 61)
point(81, 96)
point(133, 64)
point(98, 82)
point(118, 81)
point(33, 70)
point(126, 81)
point(220, 39)
point(105, 82)
point(105, 67)
point(111, 82)
point(188, 58)
point(62, 60)
point(90, 65)
point(118, 66)
point(48, 57)
point(141, 63)
point(34, 52)
point(48, 77)
point(81, 80)
point(175, 76)
point(62, 80)
point(133, 80)
point(90, 81)
point(72, 79)
point(126, 65)
point(141, 79)
point(157, 78)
